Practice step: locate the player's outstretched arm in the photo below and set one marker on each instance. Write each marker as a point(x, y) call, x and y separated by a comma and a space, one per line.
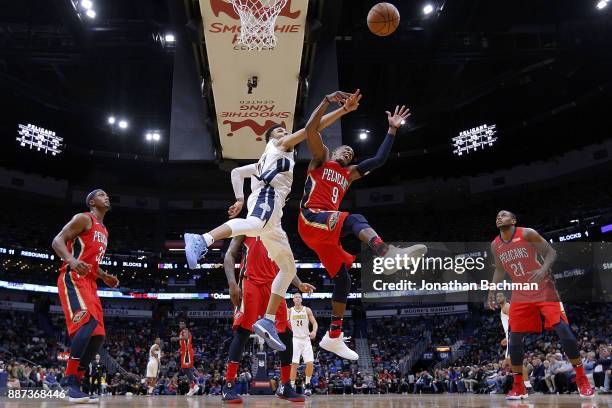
point(111, 280)
point(366, 166)
point(229, 265)
point(544, 249)
point(78, 224)
point(238, 175)
point(288, 142)
point(498, 275)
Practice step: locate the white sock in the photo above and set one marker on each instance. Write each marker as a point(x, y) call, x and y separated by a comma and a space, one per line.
point(308, 380)
point(208, 239)
point(293, 383)
point(527, 384)
point(270, 317)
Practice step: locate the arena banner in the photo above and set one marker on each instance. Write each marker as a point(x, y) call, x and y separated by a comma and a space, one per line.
point(462, 272)
point(440, 310)
point(253, 90)
point(56, 309)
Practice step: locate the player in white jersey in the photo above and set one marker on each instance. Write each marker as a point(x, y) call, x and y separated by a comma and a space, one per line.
point(271, 180)
point(504, 315)
point(153, 365)
point(300, 316)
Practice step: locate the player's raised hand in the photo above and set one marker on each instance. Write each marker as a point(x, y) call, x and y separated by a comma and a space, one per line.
point(338, 97)
point(352, 103)
point(235, 294)
point(111, 280)
point(235, 208)
point(400, 114)
point(82, 268)
point(306, 287)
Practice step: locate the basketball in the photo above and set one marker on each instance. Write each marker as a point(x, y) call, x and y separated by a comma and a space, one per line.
point(383, 19)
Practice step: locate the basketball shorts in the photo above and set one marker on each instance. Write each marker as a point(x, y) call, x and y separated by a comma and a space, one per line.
point(79, 298)
point(267, 205)
point(187, 359)
point(152, 369)
point(321, 230)
point(526, 317)
point(302, 347)
point(255, 297)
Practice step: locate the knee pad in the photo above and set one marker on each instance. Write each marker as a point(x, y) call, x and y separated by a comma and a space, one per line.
point(568, 340)
point(241, 336)
point(355, 223)
point(342, 285)
point(287, 339)
point(515, 348)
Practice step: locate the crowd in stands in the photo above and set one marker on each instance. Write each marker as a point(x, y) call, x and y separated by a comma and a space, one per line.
point(476, 367)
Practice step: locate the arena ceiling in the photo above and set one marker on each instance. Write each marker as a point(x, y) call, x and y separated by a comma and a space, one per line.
point(541, 72)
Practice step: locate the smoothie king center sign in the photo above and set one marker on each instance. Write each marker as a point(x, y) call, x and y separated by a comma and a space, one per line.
point(244, 112)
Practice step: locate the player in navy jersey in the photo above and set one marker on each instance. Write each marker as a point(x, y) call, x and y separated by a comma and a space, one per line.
point(321, 224)
point(81, 245)
point(516, 251)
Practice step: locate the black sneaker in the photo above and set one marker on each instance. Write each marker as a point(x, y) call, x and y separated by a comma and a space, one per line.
point(229, 395)
point(308, 390)
point(286, 392)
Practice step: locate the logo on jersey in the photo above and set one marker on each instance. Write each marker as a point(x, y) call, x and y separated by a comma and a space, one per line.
point(265, 207)
point(333, 220)
point(516, 239)
point(78, 316)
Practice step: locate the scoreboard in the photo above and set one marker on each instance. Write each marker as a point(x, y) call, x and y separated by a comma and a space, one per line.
point(43, 140)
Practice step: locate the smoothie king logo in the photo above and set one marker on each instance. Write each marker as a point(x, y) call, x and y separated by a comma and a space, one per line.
point(249, 112)
point(222, 6)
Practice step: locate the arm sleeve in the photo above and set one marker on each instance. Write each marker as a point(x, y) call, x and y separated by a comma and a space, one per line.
point(381, 157)
point(238, 176)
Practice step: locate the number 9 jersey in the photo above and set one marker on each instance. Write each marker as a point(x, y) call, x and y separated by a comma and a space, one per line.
point(320, 222)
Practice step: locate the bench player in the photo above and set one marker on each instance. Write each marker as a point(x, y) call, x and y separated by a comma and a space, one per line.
point(81, 244)
point(321, 224)
point(271, 180)
point(516, 251)
point(153, 365)
point(250, 297)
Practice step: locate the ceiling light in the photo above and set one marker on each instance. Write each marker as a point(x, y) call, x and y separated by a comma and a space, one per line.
point(170, 38)
point(428, 9)
point(86, 4)
point(123, 124)
point(363, 136)
point(90, 13)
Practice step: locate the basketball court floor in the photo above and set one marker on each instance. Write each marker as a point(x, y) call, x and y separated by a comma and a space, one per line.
point(361, 401)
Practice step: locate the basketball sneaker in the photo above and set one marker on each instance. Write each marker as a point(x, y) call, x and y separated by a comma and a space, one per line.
point(75, 394)
point(584, 388)
point(338, 347)
point(266, 330)
point(194, 388)
point(518, 391)
point(286, 392)
point(411, 253)
point(94, 399)
point(308, 390)
point(229, 394)
point(195, 249)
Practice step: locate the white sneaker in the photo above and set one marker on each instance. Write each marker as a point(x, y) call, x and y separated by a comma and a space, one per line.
point(338, 347)
point(412, 252)
point(193, 390)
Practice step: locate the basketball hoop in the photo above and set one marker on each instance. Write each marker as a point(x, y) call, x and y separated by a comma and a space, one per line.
point(257, 19)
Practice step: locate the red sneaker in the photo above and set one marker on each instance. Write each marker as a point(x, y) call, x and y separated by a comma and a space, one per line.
point(584, 388)
point(518, 391)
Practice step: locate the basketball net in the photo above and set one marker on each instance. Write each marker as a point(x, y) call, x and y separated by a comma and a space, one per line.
point(257, 19)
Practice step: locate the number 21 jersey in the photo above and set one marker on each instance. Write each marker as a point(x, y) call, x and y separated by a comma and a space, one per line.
point(325, 187)
point(519, 259)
